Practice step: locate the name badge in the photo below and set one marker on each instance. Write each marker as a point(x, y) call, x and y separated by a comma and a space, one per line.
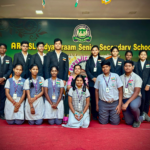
point(126, 90)
point(107, 90)
point(14, 96)
point(119, 62)
point(7, 61)
point(79, 105)
point(95, 69)
point(35, 95)
point(53, 97)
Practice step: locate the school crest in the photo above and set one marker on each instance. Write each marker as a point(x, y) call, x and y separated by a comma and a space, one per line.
point(82, 33)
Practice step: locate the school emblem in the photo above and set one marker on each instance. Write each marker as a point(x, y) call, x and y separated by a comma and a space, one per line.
point(82, 33)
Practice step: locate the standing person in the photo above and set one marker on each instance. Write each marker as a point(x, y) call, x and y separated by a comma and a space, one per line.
point(34, 107)
point(132, 84)
point(129, 55)
point(78, 99)
point(142, 68)
point(54, 107)
point(116, 62)
point(5, 72)
point(23, 58)
point(108, 93)
point(93, 69)
point(38, 58)
point(59, 59)
point(14, 105)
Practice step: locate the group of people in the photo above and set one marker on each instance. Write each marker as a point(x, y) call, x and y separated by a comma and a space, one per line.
point(36, 89)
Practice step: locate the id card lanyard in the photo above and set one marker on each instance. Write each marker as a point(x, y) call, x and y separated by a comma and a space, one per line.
point(35, 85)
point(95, 68)
point(80, 97)
point(15, 87)
point(126, 85)
point(107, 83)
point(54, 87)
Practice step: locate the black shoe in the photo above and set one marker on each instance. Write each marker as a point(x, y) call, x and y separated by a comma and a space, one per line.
point(2, 117)
point(136, 124)
point(146, 117)
point(94, 118)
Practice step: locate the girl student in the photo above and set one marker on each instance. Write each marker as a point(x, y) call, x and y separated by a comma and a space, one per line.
point(15, 93)
point(53, 89)
point(78, 99)
point(34, 107)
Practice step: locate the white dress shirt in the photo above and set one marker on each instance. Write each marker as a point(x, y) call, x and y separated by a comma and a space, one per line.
point(42, 57)
point(115, 61)
point(142, 63)
point(25, 56)
point(58, 55)
point(2, 58)
point(95, 59)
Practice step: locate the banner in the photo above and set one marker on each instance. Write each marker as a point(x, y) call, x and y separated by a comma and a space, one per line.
point(78, 36)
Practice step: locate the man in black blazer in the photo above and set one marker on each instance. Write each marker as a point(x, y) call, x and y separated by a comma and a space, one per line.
point(57, 58)
point(117, 64)
point(142, 68)
point(93, 69)
point(23, 58)
point(5, 71)
point(38, 58)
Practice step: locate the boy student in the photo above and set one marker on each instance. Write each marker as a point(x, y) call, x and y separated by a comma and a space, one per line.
point(116, 62)
point(132, 84)
point(108, 93)
point(38, 58)
point(23, 58)
point(142, 68)
point(59, 59)
point(129, 55)
point(5, 71)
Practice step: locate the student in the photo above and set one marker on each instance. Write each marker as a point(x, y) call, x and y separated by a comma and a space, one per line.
point(5, 71)
point(38, 58)
point(77, 71)
point(54, 107)
point(108, 93)
point(59, 59)
point(34, 107)
point(132, 84)
point(142, 69)
point(23, 58)
point(129, 55)
point(93, 69)
point(14, 105)
point(78, 99)
point(116, 62)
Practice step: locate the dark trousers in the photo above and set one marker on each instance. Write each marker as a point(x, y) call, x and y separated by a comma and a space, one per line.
point(145, 103)
point(2, 99)
point(93, 102)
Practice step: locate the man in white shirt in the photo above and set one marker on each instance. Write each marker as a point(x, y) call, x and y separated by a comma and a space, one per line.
point(39, 58)
point(23, 58)
point(132, 84)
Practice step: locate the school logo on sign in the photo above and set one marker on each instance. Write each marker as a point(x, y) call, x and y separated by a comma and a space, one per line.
point(82, 33)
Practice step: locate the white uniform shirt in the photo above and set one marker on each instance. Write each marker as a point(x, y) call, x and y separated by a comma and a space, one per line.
point(42, 57)
point(115, 61)
point(58, 55)
point(95, 59)
point(142, 63)
point(25, 56)
point(2, 58)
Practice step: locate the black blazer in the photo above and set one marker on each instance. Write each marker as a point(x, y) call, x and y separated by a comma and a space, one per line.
point(63, 65)
point(19, 59)
point(90, 64)
point(119, 68)
point(7, 67)
point(37, 60)
point(144, 74)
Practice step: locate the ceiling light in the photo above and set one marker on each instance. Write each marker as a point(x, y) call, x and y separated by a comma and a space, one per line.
point(39, 12)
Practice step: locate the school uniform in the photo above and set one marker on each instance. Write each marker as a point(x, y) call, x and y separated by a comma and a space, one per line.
point(117, 66)
point(132, 113)
point(143, 70)
point(38, 60)
point(54, 116)
point(5, 71)
point(78, 107)
point(19, 58)
point(53, 59)
point(108, 97)
point(15, 87)
point(38, 105)
point(91, 64)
